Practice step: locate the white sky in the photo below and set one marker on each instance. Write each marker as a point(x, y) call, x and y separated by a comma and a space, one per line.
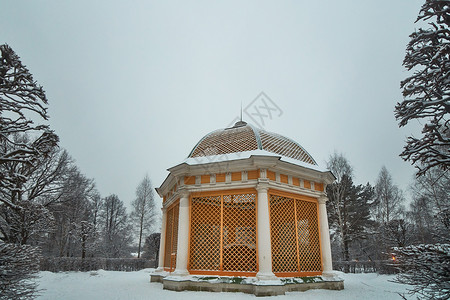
point(133, 85)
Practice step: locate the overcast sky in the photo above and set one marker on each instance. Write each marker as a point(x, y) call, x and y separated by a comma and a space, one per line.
point(133, 85)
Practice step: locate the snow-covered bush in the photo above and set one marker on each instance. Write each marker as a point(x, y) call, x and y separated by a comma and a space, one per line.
point(19, 265)
point(370, 266)
point(63, 264)
point(426, 268)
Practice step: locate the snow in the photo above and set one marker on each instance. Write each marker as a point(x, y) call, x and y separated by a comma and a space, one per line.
point(247, 154)
point(136, 285)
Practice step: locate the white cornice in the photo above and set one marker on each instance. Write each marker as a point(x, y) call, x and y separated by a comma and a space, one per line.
point(182, 191)
point(274, 163)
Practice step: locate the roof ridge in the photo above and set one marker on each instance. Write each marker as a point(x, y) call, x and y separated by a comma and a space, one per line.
point(257, 136)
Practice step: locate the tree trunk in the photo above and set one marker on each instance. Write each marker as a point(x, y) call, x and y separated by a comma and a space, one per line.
point(140, 239)
point(83, 247)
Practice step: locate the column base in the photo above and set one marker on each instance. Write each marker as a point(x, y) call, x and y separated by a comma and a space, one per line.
point(159, 270)
point(331, 275)
point(266, 276)
point(180, 272)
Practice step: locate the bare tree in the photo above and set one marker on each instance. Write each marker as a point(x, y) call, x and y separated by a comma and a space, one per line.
point(22, 101)
point(24, 148)
point(144, 212)
point(388, 198)
point(73, 213)
point(342, 170)
point(42, 186)
point(115, 227)
point(430, 208)
point(427, 92)
point(20, 96)
point(389, 213)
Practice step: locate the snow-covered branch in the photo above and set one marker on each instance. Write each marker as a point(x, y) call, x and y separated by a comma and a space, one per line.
point(427, 91)
point(427, 268)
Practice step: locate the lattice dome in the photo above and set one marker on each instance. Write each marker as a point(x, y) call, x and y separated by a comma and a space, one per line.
point(244, 137)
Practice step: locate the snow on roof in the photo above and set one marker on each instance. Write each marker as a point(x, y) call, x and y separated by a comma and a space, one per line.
point(247, 154)
point(243, 137)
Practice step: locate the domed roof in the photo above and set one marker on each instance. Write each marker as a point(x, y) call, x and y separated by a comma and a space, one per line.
point(244, 137)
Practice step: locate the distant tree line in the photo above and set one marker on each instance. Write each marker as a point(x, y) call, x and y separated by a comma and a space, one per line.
point(368, 221)
point(51, 204)
point(374, 222)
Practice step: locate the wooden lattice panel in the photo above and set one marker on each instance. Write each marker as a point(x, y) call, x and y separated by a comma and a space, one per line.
point(171, 243)
point(283, 238)
point(284, 146)
point(294, 236)
point(239, 232)
point(223, 234)
point(230, 140)
point(308, 236)
point(205, 233)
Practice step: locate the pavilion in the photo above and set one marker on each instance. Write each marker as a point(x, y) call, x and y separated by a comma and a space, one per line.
point(248, 204)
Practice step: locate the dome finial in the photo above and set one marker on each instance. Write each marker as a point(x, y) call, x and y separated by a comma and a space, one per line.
point(241, 111)
point(239, 123)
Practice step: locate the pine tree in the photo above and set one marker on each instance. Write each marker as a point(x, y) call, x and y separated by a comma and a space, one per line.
point(348, 206)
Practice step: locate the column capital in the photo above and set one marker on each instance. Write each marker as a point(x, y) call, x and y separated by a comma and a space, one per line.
point(322, 199)
point(184, 193)
point(262, 187)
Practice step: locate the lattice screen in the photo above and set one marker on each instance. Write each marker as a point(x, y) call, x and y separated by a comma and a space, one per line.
point(223, 233)
point(205, 233)
point(308, 236)
point(170, 248)
point(294, 236)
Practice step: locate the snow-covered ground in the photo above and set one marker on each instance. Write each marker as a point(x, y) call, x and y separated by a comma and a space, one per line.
point(136, 285)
